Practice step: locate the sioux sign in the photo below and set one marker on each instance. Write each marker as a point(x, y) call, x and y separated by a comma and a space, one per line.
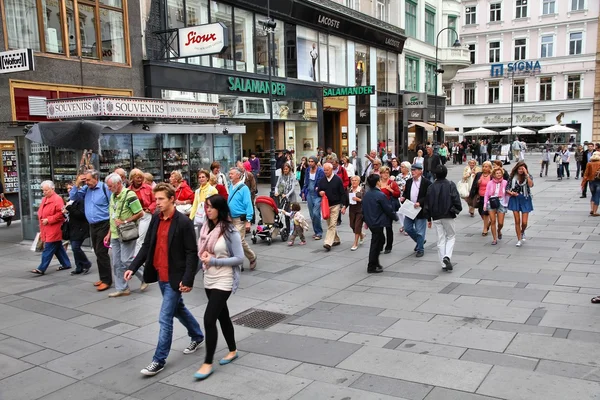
point(349, 91)
point(203, 40)
point(100, 106)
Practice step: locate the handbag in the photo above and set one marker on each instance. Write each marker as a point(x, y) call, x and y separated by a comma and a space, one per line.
point(494, 202)
point(183, 208)
point(200, 216)
point(463, 188)
point(325, 207)
point(395, 203)
point(128, 231)
point(66, 231)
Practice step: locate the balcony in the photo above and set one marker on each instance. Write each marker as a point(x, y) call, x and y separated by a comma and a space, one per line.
point(453, 59)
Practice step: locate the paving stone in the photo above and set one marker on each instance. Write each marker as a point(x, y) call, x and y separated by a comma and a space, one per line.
point(84, 391)
point(486, 282)
point(561, 333)
point(321, 373)
point(545, 279)
point(400, 314)
point(492, 358)
point(571, 321)
point(461, 321)
point(392, 344)
point(375, 300)
point(89, 320)
point(554, 288)
point(550, 348)
point(302, 275)
point(430, 370)
point(440, 393)
point(516, 384)
point(156, 391)
point(392, 387)
point(313, 331)
point(500, 292)
point(20, 285)
point(11, 366)
point(304, 296)
point(239, 382)
point(299, 348)
point(461, 336)
point(432, 349)
point(533, 321)
point(539, 312)
point(118, 328)
point(183, 394)
point(267, 363)
point(325, 390)
point(42, 357)
point(96, 358)
point(358, 310)
point(578, 281)
point(58, 335)
point(10, 298)
point(568, 298)
point(282, 328)
point(592, 337)
point(324, 306)
point(17, 348)
point(12, 316)
point(134, 310)
point(45, 308)
point(268, 290)
point(365, 340)
point(66, 297)
point(404, 284)
point(569, 370)
point(345, 322)
point(512, 327)
point(32, 384)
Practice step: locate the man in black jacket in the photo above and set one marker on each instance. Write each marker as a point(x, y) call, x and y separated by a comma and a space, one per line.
point(587, 154)
point(378, 214)
point(332, 186)
point(415, 190)
point(430, 163)
point(170, 253)
point(442, 205)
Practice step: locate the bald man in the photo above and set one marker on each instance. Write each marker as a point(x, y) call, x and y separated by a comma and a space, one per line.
point(332, 186)
point(123, 174)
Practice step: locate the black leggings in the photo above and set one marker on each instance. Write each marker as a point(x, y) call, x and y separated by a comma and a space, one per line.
point(216, 309)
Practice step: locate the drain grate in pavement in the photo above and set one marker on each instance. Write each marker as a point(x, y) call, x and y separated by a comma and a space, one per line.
point(258, 319)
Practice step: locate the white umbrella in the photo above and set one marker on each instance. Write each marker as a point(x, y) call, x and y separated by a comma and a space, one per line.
point(481, 131)
point(518, 130)
point(558, 129)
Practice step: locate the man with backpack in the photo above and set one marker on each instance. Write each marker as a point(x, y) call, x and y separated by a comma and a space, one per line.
point(516, 149)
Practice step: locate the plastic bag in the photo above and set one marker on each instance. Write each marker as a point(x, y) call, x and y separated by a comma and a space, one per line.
point(325, 207)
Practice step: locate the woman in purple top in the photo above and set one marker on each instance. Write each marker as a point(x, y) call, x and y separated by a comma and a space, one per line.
point(255, 164)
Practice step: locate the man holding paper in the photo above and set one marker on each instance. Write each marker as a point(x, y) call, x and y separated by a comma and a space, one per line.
point(415, 191)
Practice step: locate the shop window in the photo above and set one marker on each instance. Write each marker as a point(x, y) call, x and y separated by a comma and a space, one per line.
point(261, 50)
point(147, 155)
point(337, 53)
point(242, 40)
point(546, 88)
point(430, 26)
point(411, 75)
point(115, 153)
point(519, 90)
point(574, 87)
point(223, 13)
point(381, 70)
point(392, 72)
point(101, 28)
point(410, 18)
point(200, 156)
point(430, 84)
point(224, 151)
point(361, 61)
point(175, 156)
point(308, 54)
point(323, 60)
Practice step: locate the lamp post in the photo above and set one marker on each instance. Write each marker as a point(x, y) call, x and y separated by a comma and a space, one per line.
point(512, 104)
point(269, 26)
point(440, 71)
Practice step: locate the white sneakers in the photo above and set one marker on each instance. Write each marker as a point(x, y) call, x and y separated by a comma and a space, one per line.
point(519, 243)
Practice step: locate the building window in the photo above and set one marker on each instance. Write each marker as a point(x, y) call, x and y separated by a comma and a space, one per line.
point(392, 72)
point(337, 51)
point(519, 90)
point(411, 77)
point(520, 49)
point(308, 56)
point(448, 93)
point(577, 5)
point(547, 46)
point(430, 78)
point(546, 88)
point(494, 52)
point(361, 59)
point(261, 47)
point(496, 12)
point(575, 43)
point(494, 92)
point(223, 13)
point(243, 39)
point(383, 10)
point(472, 53)
point(469, 93)
point(521, 10)
point(430, 26)
point(38, 25)
point(197, 14)
point(549, 7)
point(353, 4)
point(574, 87)
point(451, 34)
point(471, 15)
point(411, 19)
point(381, 70)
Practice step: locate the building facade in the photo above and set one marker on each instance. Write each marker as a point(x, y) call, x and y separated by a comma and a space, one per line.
point(536, 58)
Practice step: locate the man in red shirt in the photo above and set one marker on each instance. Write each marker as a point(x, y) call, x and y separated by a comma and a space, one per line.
point(170, 253)
point(147, 200)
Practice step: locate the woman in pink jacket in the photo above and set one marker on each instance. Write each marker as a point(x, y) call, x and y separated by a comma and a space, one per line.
point(495, 202)
point(51, 219)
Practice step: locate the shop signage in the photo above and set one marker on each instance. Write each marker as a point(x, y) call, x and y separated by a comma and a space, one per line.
point(100, 106)
point(16, 61)
point(255, 86)
point(414, 100)
point(349, 91)
point(518, 119)
point(415, 115)
point(515, 67)
point(328, 21)
point(339, 102)
point(363, 114)
point(203, 40)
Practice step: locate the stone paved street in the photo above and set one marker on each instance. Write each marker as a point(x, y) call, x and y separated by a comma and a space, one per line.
point(508, 323)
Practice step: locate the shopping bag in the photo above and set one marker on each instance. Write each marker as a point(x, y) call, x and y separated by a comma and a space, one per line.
point(325, 207)
point(200, 215)
point(34, 245)
point(463, 188)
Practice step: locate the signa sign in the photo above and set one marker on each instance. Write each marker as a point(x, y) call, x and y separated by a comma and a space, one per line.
point(203, 40)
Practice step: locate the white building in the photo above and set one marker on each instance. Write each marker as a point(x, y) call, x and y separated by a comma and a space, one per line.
point(541, 51)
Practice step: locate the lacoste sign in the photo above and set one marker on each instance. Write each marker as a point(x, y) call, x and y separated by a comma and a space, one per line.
point(414, 100)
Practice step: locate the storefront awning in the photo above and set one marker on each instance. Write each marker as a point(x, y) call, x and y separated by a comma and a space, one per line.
point(424, 125)
point(447, 128)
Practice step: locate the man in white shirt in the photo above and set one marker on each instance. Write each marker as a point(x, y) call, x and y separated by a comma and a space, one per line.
point(416, 190)
point(387, 157)
point(371, 157)
point(356, 162)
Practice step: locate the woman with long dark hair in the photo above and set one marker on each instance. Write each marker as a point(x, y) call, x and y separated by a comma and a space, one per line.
point(519, 189)
point(221, 253)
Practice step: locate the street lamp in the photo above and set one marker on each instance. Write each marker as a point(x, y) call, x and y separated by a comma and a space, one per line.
point(440, 71)
point(269, 26)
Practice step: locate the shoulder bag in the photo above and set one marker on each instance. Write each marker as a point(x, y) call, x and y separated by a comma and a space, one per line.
point(127, 231)
point(200, 216)
point(183, 208)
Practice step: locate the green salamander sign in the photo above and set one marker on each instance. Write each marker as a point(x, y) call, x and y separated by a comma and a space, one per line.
point(348, 91)
point(255, 86)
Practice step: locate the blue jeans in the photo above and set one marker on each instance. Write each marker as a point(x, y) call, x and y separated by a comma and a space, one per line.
point(51, 249)
point(172, 307)
point(122, 256)
point(595, 190)
point(314, 209)
point(416, 229)
point(81, 260)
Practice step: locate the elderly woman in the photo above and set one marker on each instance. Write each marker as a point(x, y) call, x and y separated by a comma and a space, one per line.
point(184, 195)
point(355, 195)
point(469, 176)
point(147, 200)
point(401, 179)
point(51, 218)
point(390, 188)
point(589, 175)
point(149, 179)
point(197, 213)
point(477, 194)
point(348, 166)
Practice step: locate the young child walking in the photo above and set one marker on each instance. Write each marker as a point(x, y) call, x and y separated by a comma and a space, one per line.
point(299, 224)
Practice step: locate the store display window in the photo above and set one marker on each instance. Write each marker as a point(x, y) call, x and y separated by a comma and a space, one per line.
point(9, 167)
point(147, 154)
point(175, 155)
point(200, 156)
point(220, 12)
point(65, 164)
point(337, 57)
point(261, 47)
point(307, 44)
point(361, 65)
point(224, 151)
point(115, 153)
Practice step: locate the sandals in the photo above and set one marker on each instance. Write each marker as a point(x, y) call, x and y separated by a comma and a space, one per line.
point(61, 268)
point(484, 233)
point(494, 242)
point(253, 264)
point(499, 235)
point(37, 272)
point(596, 300)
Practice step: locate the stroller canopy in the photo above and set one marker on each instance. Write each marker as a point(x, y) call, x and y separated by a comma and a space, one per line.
point(268, 201)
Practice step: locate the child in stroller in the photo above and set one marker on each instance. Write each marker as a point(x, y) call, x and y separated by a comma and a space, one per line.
point(271, 223)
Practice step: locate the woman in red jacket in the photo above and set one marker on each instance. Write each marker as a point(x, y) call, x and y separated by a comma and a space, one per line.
point(184, 195)
point(390, 188)
point(51, 219)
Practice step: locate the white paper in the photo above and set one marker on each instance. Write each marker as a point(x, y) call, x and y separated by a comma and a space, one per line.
point(408, 209)
point(278, 172)
point(352, 198)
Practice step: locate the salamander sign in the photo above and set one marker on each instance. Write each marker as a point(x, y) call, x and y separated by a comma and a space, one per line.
point(349, 91)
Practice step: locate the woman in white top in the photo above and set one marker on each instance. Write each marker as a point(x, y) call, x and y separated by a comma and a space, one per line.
point(349, 166)
point(220, 251)
point(419, 159)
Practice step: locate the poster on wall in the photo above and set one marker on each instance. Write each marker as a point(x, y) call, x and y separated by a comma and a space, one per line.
point(308, 55)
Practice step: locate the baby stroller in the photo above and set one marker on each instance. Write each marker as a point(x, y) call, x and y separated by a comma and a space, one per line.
point(271, 223)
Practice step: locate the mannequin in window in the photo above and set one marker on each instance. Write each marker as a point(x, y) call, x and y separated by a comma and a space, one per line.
point(314, 55)
point(360, 72)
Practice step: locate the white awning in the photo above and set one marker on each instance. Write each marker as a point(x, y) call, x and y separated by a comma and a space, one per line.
point(424, 125)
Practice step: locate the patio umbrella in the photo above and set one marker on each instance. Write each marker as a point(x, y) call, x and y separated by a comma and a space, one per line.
point(518, 130)
point(481, 131)
point(558, 129)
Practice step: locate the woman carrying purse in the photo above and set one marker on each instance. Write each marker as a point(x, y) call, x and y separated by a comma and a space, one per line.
point(495, 202)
